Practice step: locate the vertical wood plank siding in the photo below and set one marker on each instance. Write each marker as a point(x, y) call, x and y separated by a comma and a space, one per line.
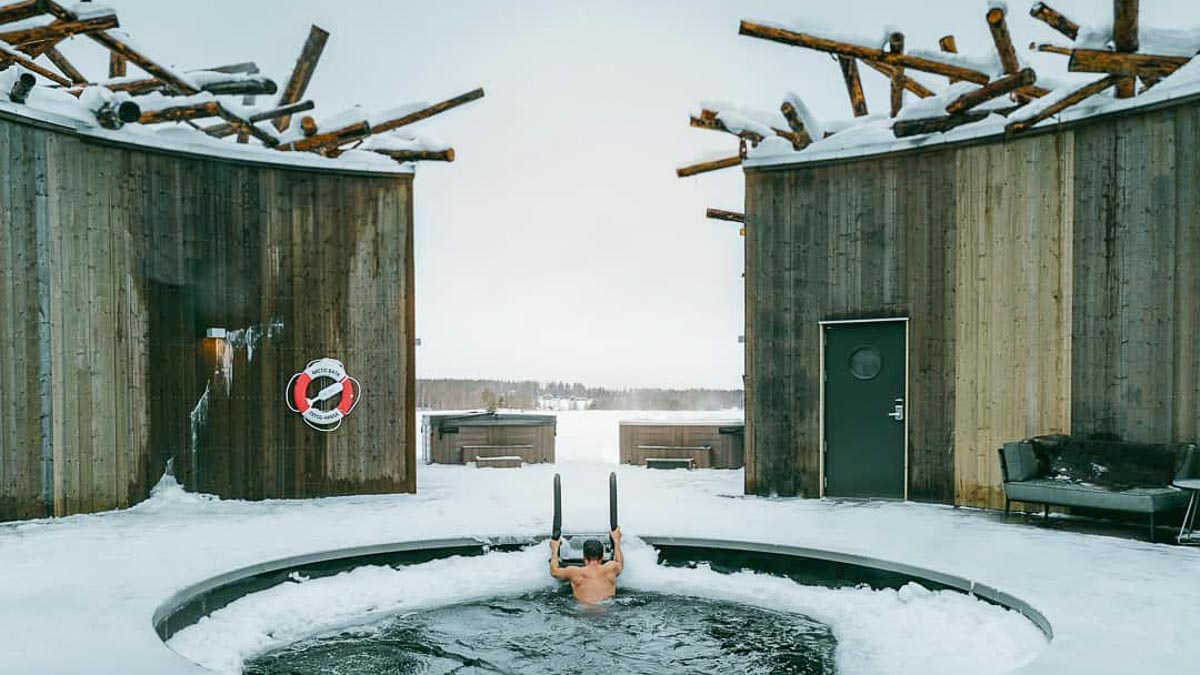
point(639, 441)
point(535, 443)
point(142, 252)
point(847, 241)
point(1051, 282)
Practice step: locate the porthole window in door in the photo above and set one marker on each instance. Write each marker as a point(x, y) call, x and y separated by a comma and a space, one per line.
point(865, 363)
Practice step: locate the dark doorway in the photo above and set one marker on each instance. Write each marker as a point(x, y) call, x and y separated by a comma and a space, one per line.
point(865, 408)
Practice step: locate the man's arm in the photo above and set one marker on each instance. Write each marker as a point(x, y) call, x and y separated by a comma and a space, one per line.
point(563, 573)
point(618, 561)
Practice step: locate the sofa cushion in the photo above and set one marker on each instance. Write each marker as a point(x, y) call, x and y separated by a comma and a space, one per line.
point(1020, 461)
point(1064, 493)
point(1116, 465)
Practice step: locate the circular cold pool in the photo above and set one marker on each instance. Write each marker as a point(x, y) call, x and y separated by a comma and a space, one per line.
point(684, 605)
point(548, 633)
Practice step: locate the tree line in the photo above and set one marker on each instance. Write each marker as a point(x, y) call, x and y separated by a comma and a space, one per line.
point(448, 394)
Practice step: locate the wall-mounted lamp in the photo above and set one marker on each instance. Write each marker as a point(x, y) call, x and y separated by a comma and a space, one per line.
point(216, 340)
point(741, 339)
point(418, 342)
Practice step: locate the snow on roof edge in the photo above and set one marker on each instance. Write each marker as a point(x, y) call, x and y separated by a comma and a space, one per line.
point(228, 151)
point(1151, 100)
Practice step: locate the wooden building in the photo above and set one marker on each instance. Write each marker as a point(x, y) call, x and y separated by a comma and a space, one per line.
point(489, 439)
point(698, 444)
point(239, 314)
point(117, 261)
point(1047, 283)
point(914, 299)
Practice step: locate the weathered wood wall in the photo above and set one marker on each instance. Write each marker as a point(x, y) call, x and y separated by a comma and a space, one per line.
point(1012, 306)
point(1051, 281)
point(852, 240)
point(642, 440)
point(1136, 313)
point(136, 253)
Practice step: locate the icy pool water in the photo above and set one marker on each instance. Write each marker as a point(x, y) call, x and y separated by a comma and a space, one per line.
point(547, 633)
point(502, 613)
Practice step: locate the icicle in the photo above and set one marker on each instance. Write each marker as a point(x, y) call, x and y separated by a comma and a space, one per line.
point(199, 419)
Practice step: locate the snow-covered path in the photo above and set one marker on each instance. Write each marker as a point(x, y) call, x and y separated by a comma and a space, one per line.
point(77, 594)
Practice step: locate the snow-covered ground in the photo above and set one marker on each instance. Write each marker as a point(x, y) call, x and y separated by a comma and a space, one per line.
point(77, 594)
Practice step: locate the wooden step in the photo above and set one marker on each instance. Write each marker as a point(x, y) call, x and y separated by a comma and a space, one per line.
point(504, 462)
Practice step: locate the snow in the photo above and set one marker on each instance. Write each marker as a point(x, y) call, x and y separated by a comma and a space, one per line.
point(988, 63)
point(58, 108)
point(942, 632)
point(397, 112)
point(90, 10)
point(867, 136)
point(78, 592)
point(811, 125)
point(869, 40)
point(400, 139)
point(76, 115)
point(1164, 41)
point(1095, 102)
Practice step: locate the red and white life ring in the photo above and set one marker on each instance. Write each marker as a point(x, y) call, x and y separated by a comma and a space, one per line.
point(342, 384)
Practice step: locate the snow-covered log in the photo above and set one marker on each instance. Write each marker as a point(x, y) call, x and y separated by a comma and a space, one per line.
point(896, 45)
point(321, 142)
point(302, 72)
point(1125, 39)
point(1053, 18)
point(929, 125)
point(846, 49)
point(435, 109)
point(1129, 65)
point(21, 88)
point(116, 115)
point(63, 64)
point(731, 216)
point(1062, 103)
point(1003, 41)
point(308, 125)
point(709, 165)
point(34, 40)
point(116, 65)
point(180, 113)
point(245, 128)
point(19, 11)
point(118, 44)
point(991, 90)
point(909, 83)
point(222, 130)
point(10, 57)
point(796, 122)
point(402, 156)
point(858, 100)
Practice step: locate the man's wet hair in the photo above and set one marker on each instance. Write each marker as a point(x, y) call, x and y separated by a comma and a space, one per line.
point(593, 550)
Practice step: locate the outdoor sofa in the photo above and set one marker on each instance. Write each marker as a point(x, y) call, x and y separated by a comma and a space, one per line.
point(1094, 474)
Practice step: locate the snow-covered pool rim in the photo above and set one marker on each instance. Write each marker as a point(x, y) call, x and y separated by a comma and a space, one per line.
point(189, 604)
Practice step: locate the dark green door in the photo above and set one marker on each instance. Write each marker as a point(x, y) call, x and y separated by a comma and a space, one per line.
point(865, 409)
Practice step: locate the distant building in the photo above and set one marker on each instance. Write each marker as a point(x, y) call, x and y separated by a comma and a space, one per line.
point(546, 402)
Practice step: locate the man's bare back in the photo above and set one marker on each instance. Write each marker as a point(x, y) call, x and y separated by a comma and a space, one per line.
point(595, 581)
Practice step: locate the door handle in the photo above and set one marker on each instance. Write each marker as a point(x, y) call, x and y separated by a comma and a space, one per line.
point(898, 411)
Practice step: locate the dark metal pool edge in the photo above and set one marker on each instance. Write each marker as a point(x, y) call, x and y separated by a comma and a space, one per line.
point(190, 604)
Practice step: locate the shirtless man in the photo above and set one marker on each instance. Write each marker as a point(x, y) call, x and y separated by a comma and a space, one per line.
point(595, 581)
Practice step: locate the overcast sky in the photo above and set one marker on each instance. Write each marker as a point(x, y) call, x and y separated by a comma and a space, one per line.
point(560, 245)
